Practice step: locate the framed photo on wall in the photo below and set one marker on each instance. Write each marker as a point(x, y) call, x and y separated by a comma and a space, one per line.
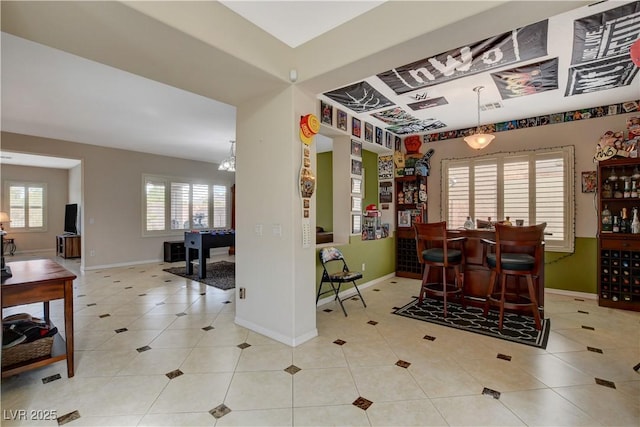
point(326, 111)
point(341, 119)
point(356, 148)
point(356, 185)
point(368, 132)
point(589, 182)
point(356, 130)
point(378, 135)
point(387, 140)
point(356, 204)
point(356, 167)
point(356, 224)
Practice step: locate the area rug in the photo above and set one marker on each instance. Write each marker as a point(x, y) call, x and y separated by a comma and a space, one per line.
point(516, 328)
point(221, 274)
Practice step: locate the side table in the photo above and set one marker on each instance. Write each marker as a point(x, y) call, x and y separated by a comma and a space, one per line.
point(41, 280)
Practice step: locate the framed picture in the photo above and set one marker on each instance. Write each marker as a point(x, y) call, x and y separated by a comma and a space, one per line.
point(404, 218)
point(378, 136)
point(356, 224)
point(387, 140)
point(368, 132)
point(356, 185)
point(341, 119)
point(356, 167)
point(356, 148)
point(356, 204)
point(589, 182)
point(306, 203)
point(356, 130)
point(326, 111)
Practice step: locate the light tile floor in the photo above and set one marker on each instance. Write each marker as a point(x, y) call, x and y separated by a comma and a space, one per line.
point(216, 382)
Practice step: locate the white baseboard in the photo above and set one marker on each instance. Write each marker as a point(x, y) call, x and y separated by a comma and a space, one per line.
point(351, 291)
point(290, 341)
point(121, 264)
point(583, 295)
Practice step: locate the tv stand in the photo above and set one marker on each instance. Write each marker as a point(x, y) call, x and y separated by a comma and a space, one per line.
point(68, 246)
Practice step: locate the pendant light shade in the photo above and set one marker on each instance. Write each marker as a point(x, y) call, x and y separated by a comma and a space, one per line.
point(478, 140)
point(229, 164)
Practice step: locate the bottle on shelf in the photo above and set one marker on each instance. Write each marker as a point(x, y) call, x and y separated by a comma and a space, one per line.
point(617, 194)
point(635, 223)
point(616, 225)
point(607, 191)
point(624, 221)
point(634, 189)
point(607, 223)
point(627, 188)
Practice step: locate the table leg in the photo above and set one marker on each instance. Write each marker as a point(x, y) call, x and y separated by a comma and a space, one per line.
point(187, 256)
point(202, 268)
point(68, 325)
point(45, 306)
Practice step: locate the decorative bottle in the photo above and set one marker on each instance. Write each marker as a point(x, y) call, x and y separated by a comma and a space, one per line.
point(468, 224)
point(616, 226)
point(627, 189)
point(506, 221)
point(607, 191)
point(607, 224)
point(635, 224)
point(634, 189)
point(624, 221)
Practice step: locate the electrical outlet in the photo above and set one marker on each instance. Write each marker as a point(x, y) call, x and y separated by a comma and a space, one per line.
point(92, 252)
point(243, 293)
point(363, 266)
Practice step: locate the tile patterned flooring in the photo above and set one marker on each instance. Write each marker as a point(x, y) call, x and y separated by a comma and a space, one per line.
point(154, 349)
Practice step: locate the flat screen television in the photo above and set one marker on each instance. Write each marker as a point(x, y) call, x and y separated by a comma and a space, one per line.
point(71, 218)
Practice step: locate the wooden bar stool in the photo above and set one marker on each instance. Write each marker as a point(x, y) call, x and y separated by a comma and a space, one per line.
point(519, 251)
point(433, 249)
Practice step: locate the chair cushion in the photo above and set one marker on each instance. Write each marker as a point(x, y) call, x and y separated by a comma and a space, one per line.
point(437, 255)
point(516, 262)
point(345, 276)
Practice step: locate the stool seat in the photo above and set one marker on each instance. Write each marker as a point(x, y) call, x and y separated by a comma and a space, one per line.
point(516, 262)
point(437, 255)
point(434, 249)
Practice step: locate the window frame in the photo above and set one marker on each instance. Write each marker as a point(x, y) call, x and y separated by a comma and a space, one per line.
point(26, 185)
point(566, 153)
point(167, 181)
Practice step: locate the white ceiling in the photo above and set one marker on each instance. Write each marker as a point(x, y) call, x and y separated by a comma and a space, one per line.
point(50, 93)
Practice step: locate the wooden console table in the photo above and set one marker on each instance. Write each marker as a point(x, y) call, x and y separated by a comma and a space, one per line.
point(41, 280)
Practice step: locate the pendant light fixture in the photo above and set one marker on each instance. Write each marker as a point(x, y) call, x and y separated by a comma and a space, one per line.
point(478, 140)
point(229, 164)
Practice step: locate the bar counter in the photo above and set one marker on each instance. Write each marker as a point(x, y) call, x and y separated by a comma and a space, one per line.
point(477, 273)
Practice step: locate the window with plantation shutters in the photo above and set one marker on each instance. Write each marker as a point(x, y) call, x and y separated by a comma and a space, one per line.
point(155, 203)
point(219, 206)
point(172, 206)
point(27, 206)
point(534, 186)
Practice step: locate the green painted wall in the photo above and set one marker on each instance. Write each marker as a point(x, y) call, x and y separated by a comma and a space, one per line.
point(377, 255)
point(573, 272)
point(324, 191)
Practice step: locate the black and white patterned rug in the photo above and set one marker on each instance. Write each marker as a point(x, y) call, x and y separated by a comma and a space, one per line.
point(516, 328)
point(221, 274)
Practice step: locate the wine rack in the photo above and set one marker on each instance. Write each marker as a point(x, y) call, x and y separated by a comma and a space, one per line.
point(618, 253)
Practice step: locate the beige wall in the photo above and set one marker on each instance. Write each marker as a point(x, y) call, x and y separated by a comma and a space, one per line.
point(57, 196)
point(111, 187)
point(583, 135)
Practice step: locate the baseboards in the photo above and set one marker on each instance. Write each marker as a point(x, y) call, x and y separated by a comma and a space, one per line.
point(290, 341)
point(575, 294)
point(351, 291)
